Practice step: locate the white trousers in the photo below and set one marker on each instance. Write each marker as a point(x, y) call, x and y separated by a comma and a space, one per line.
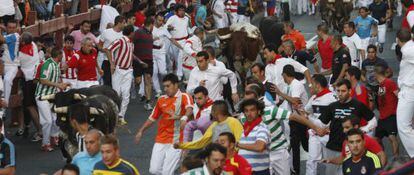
point(121, 83)
point(302, 6)
point(280, 162)
point(175, 53)
point(186, 73)
point(160, 69)
point(164, 159)
point(221, 22)
point(72, 82)
point(382, 31)
point(331, 168)
point(405, 113)
point(243, 18)
point(47, 120)
point(86, 84)
point(10, 72)
point(316, 145)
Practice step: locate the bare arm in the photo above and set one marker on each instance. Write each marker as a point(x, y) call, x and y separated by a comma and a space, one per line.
point(327, 72)
point(383, 158)
point(258, 146)
point(335, 160)
point(141, 130)
point(8, 170)
point(316, 67)
point(173, 41)
point(308, 76)
point(342, 74)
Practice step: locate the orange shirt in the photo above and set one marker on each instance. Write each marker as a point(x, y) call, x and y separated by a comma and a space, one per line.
point(167, 128)
point(297, 38)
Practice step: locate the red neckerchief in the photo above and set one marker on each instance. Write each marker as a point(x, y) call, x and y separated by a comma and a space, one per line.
point(323, 92)
point(248, 126)
point(205, 106)
point(276, 58)
point(27, 49)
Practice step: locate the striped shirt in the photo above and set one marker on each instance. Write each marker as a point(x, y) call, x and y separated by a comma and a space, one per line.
point(122, 50)
point(70, 73)
point(143, 44)
point(50, 71)
point(258, 160)
point(200, 171)
point(121, 167)
point(273, 117)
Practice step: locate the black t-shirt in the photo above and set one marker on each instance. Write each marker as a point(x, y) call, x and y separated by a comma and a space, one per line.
point(379, 11)
point(369, 164)
point(302, 57)
point(340, 57)
point(335, 113)
point(369, 67)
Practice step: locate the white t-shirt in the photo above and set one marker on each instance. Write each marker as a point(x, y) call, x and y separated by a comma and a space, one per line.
point(181, 28)
point(410, 18)
point(163, 35)
point(405, 76)
point(295, 89)
point(354, 45)
point(273, 72)
point(107, 37)
point(7, 7)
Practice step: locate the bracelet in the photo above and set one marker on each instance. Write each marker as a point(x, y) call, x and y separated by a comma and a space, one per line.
point(184, 118)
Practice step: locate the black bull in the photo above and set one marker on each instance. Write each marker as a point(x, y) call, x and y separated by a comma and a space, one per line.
point(335, 13)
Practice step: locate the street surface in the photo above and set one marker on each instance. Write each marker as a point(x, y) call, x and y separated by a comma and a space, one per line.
point(30, 160)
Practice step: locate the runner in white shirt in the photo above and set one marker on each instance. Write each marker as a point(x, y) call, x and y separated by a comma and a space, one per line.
point(354, 44)
point(405, 108)
point(107, 37)
point(210, 77)
point(192, 46)
point(178, 26)
point(220, 16)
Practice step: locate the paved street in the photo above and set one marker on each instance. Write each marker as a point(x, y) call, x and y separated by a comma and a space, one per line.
point(30, 160)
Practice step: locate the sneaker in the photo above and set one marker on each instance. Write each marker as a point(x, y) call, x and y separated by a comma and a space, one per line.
point(54, 141)
point(47, 148)
point(148, 107)
point(143, 98)
point(26, 132)
point(158, 95)
point(381, 49)
point(36, 137)
point(122, 121)
point(20, 132)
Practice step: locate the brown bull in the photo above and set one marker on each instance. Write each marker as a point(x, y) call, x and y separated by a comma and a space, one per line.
point(336, 12)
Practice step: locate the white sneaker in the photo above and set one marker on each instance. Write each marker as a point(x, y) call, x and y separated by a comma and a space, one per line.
point(148, 107)
point(122, 121)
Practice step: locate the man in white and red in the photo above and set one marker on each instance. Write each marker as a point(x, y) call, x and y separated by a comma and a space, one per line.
point(231, 7)
point(86, 64)
point(120, 54)
point(82, 33)
point(69, 75)
point(178, 26)
point(192, 46)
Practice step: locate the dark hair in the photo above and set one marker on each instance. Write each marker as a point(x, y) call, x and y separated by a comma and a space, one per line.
point(171, 77)
point(204, 2)
point(208, 150)
point(345, 82)
point(130, 15)
point(256, 88)
point(119, 19)
point(110, 140)
point(69, 38)
point(11, 21)
point(407, 3)
point(289, 23)
point(350, 24)
point(252, 102)
point(179, 6)
point(1, 122)
point(142, 6)
point(203, 54)
point(338, 38)
point(353, 119)
point(354, 131)
point(71, 167)
point(261, 66)
point(229, 136)
point(380, 69)
point(210, 50)
point(128, 30)
point(289, 70)
point(85, 22)
point(198, 30)
point(148, 21)
point(221, 107)
point(271, 47)
point(323, 27)
point(321, 80)
point(363, 8)
point(201, 89)
point(26, 37)
point(372, 46)
point(404, 35)
point(56, 52)
point(252, 80)
point(354, 71)
point(192, 162)
point(159, 14)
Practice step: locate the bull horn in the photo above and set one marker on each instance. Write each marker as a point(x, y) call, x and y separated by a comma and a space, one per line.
point(224, 36)
point(48, 97)
point(95, 111)
point(63, 109)
point(78, 96)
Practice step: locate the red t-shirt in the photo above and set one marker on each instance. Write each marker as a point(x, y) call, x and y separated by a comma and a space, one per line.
point(85, 65)
point(326, 52)
point(387, 100)
point(370, 144)
point(237, 166)
point(139, 19)
point(360, 92)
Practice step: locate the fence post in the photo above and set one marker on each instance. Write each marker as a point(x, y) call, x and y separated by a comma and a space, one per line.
point(59, 33)
point(31, 18)
point(84, 6)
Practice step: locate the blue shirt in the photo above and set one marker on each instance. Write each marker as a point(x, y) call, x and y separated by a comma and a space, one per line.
point(85, 162)
point(201, 13)
point(364, 25)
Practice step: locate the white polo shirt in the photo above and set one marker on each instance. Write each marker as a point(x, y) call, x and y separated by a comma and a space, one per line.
point(273, 72)
point(108, 36)
point(295, 89)
point(163, 35)
point(181, 28)
point(354, 44)
point(405, 76)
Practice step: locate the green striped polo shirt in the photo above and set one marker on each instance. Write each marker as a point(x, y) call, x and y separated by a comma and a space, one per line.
point(50, 71)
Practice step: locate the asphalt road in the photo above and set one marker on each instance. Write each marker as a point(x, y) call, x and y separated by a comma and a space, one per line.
point(31, 161)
